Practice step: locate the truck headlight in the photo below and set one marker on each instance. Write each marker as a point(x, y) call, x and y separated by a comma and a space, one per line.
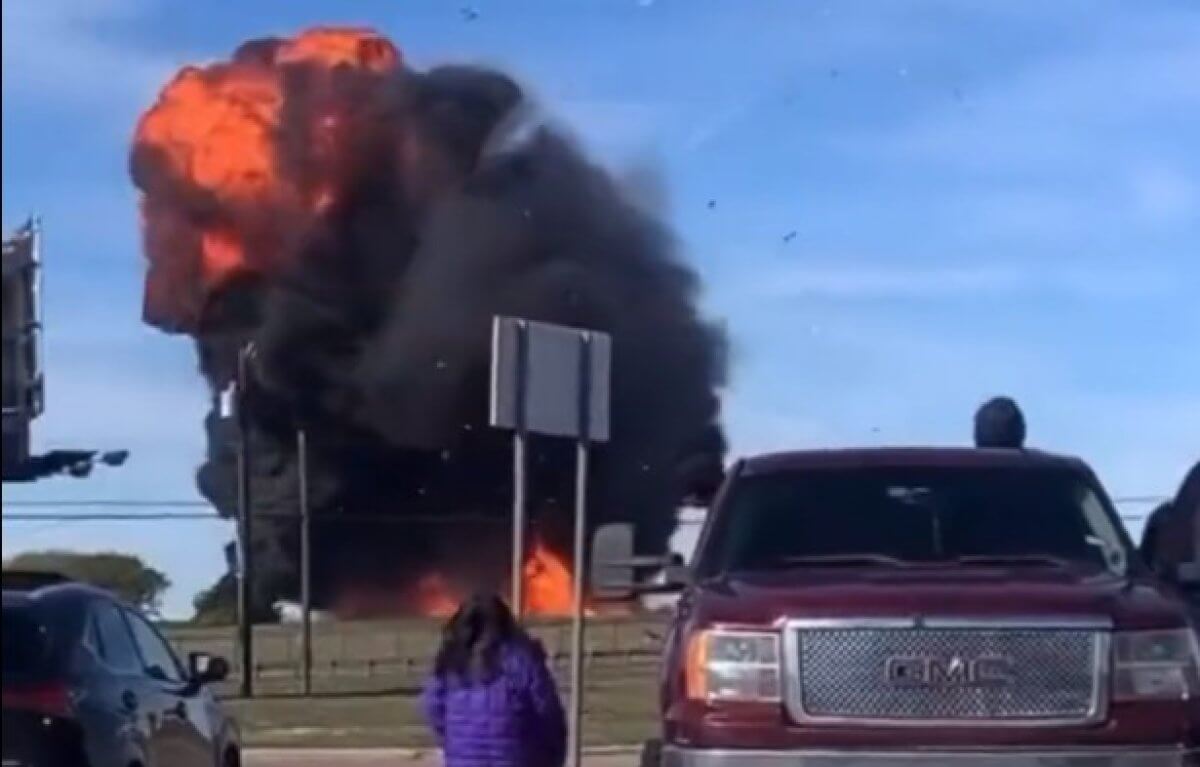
point(733, 665)
point(1156, 665)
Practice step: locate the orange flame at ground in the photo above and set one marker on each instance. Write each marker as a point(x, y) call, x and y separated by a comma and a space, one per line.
point(548, 582)
point(548, 587)
point(434, 597)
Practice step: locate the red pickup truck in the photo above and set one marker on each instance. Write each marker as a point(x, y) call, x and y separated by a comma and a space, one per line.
point(919, 607)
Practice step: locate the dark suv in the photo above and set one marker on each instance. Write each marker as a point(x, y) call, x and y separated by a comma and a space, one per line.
point(89, 682)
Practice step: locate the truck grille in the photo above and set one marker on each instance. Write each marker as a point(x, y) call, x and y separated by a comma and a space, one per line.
point(970, 676)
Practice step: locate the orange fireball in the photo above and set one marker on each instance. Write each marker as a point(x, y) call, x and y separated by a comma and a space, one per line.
point(208, 152)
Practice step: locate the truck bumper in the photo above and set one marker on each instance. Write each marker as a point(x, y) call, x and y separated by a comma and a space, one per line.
point(683, 757)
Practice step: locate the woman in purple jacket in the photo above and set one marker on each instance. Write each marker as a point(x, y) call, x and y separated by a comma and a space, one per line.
point(491, 700)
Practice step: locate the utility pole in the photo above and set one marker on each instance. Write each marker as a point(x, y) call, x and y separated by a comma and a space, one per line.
point(245, 523)
point(305, 562)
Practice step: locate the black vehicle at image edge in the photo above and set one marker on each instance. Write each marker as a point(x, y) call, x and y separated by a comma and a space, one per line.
point(89, 682)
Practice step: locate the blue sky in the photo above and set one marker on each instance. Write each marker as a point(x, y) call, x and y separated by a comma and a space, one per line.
point(986, 197)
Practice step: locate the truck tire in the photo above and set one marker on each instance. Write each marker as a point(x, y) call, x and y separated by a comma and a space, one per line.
point(651, 754)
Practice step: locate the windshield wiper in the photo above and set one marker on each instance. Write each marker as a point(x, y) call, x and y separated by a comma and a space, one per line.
point(985, 560)
point(836, 560)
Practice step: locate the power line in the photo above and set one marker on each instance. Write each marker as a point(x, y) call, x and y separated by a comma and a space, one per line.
point(390, 519)
point(108, 503)
point(213, 516)
point(194, 504)
point(143, 517)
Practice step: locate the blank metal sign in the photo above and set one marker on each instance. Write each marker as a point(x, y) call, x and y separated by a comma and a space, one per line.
point(536, 371)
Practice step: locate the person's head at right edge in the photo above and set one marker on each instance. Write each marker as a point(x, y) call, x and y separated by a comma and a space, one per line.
point(1187, 504)
point(999, 423)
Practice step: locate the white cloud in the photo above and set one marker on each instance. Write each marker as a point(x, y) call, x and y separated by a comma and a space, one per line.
point(711, 128)
point(758, 428)
point(1164, 194)
point(610, 124)
point(154, 408)
point(53, 50)
point(871, 282)
point(1059, 112)
point(152, 405)
point(190, 553)
point(891, 382)
point(1029, 211)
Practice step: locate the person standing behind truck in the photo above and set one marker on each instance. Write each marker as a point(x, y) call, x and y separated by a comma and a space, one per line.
point(1172, 532)
point(491, 700)
point(999, 423)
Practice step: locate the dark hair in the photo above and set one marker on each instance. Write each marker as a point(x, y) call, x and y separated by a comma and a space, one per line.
point(1188, 499)
point(473, 637)
point(999, 423)
point(1173, 531)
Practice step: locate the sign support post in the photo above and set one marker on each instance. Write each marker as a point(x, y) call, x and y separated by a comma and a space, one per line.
point(575, 732)
point(520, 463)
point(553, 380)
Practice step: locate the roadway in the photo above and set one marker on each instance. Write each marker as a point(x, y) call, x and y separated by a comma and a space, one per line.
point(394, 758)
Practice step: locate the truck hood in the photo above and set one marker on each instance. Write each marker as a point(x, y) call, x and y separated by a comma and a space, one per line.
point(908, 592)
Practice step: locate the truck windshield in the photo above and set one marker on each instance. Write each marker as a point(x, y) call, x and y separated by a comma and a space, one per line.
point(902, 516)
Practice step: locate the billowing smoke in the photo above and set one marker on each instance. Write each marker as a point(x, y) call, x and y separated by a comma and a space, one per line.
point(361, 223)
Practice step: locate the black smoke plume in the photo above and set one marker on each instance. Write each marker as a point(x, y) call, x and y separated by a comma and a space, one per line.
point(375, 339)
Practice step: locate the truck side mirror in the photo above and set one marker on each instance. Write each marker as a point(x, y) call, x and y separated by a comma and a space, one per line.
point(614, 566)
point(612, 561)
point(677, 571)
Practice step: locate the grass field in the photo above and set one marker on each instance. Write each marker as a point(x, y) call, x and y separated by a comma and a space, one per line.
point(367, 677)
point(620, 708)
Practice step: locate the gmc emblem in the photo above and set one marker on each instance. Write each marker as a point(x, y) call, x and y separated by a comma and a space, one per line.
point(956, 672)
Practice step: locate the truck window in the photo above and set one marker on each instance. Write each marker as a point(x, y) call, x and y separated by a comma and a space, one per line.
point(915, 515)
point(28, 643)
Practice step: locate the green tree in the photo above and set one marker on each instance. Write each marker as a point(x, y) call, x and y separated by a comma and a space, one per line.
point(218, 605)
point(125, 575)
